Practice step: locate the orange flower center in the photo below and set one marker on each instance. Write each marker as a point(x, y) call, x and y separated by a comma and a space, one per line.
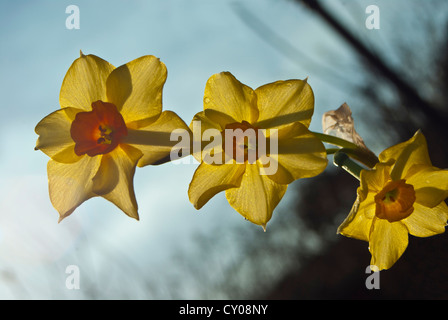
point(244, 141)
point(98, 131)
point(395, 202)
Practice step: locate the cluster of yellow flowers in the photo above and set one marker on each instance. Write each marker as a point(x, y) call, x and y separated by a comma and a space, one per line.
point(111, 121)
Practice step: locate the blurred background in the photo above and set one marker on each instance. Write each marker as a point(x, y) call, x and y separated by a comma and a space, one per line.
point(394, 79)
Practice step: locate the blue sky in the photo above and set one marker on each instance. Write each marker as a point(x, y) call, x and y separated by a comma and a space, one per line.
point(195, 39)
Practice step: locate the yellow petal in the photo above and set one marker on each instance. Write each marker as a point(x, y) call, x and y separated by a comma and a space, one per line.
point(358, 223)
point(203, 123)
point(114, 180)
point(208, 180)
point(66, 155)
point(300, 154)
point(154, 140)
point(430, 185)
point(136, 88)
point(387, 243)
point(374, 180)
point(85, 82)
point(256, 197)
point(225, 94)
point(283, 102)
point(54, 136)
point(71, 184)
point(407, 154)
point(426, 222)
point(220, 119)
point(106, 178)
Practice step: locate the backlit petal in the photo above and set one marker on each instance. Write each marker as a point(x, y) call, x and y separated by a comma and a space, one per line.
point(201, 124)
point(359, 221)
point(256, 197)
point(208, 180)
point(300, 154)
point(425, 222)
point(106, 178)
point(407, 154)
point(285, 102)
point(154, 140)
point(71, 184)
point(218, 118)
point(225, 94)
point(116, 176)
point(136, 89)
point(374, 180)
point(387, 243)
point(54, 136)
point(430, 185)
point(85, 82)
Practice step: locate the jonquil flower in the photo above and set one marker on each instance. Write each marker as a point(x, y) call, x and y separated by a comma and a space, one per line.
point(280, 110)
point(110, 121)
point(403, 194)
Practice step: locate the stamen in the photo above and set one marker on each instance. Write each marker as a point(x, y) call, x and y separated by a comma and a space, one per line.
point(106, 135)
point(98, 131)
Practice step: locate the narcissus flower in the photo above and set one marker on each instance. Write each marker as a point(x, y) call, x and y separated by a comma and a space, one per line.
point(110, 121)
point(272, 122)
point(403, 194)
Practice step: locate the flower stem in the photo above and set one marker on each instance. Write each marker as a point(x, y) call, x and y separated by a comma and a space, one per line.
point(149, 138)
point(360, 153)
point(343, 161)
point(335, 140)
point(332, 150)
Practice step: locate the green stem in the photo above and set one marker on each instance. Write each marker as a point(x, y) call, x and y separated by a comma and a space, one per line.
point(332, 150)
point(152, 138)
point(335, 140)
point(361, 154)
point(343, 161)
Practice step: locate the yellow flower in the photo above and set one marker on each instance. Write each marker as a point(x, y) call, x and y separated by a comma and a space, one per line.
point(403, 194)
point(110, 121)
point(279, 113)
